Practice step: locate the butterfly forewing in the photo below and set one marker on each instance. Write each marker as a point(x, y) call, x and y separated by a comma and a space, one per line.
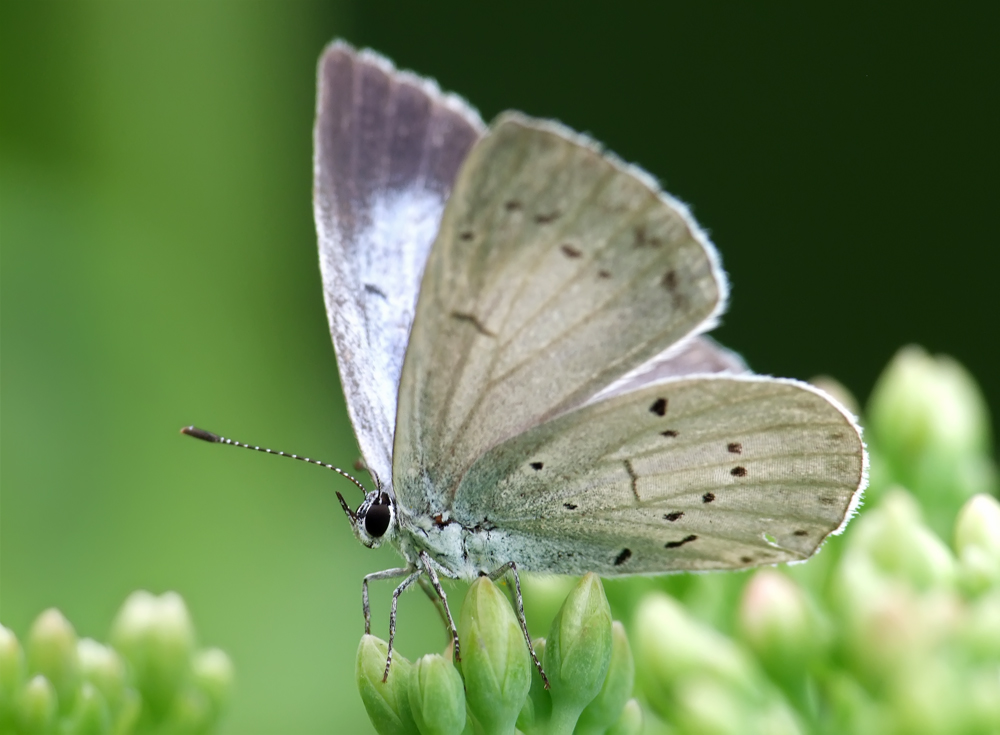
point(388, 147)
point(710, 472)
point(556, 271)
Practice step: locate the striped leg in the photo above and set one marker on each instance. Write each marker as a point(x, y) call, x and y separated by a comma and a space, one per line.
point(392, 617)
point(444, 600)
point(519, 604)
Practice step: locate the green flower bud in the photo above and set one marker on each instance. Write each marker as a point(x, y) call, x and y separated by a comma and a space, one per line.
point(578, 652)
point(537, 708)
point(895, 538)
point(673, 648)
point(926, 404)
point(37, 707)
point(928, 699)
point(104, 668)
point(779, 625)
point(983, 712)
point(212, 673)
point(978, 524)
point(52, 652)
point(190, 712)
point(156, 636)
point(129, 711)
point(90, 715)
point(630, 721)
point(707, 705)
point(607, 707)
point(11, 673)
point(980, 633)
point(495, 661)
point(437, 696)
point(388, 704)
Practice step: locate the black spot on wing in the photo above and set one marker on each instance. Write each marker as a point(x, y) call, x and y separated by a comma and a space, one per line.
point(536, 466)
point(642, 239)
point(746, 559)
point(734, 448)
point(544, 219)
point(466, 235)
point(669, 432)
point(827, 500)
point(659, 407)
point(708, 497)
point(738, 472)
point(801, 532)
point(372, 288)
point(512, 205)
point(677, 544)
point(474, 321)
point(603, 274)
point(669, 281)
point(623, 557)
point(675, 515)
point(570, 252)
point(569, 506)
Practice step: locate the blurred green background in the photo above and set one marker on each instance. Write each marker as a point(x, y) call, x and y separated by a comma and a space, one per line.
point(159, 268)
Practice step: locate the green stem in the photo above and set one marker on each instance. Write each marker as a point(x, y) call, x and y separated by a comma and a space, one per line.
point(563, 719)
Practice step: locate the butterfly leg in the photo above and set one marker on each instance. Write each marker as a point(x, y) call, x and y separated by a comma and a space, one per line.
point(444, 600)
point(392, 617)
point(519, 604)
point(428, 589)
point(387, 574)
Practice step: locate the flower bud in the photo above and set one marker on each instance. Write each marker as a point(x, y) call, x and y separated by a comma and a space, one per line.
point(156, 636)
point(190, 712)
point(212, 673)
point(52, 652)
point(609, 703)
point(37, 707)
point(980, 634)
point(779, 625)
point(437, 696)
point(495, 661)
point(630, 721)
point(90, 715)
point(387, 704)
point(578, 651)
point(978, 524)
point(707, 705)
point(672, 648)
point(894, 537)
point(11, 672)
point(103, 668)
point(924, 404)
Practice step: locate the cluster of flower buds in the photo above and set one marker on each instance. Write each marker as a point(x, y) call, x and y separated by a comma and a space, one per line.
point(893, 628)
point(151, 677)
point(495, 689)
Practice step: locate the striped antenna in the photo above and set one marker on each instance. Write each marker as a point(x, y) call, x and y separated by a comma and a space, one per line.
point(208, 436)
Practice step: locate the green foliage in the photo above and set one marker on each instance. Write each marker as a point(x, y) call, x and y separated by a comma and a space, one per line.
point(894, 629)
point(151, 679)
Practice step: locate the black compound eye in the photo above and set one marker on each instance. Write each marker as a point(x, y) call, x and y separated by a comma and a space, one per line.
point(377, 520)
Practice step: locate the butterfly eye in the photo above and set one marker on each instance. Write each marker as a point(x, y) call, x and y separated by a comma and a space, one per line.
point(377, 520)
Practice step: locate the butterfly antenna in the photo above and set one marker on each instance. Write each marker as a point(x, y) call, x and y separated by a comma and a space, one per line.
point(208, 436)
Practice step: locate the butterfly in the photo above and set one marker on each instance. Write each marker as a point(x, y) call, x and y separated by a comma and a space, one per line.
point(519, 318)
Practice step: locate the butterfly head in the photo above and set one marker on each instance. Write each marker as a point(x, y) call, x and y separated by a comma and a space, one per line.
point(375, 519)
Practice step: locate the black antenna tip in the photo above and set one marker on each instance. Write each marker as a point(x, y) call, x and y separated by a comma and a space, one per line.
point(197, 433)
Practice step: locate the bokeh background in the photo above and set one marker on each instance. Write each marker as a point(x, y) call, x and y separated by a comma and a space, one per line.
point(159, 267)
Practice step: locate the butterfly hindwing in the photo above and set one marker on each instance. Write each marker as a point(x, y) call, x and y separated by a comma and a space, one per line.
point(696, 473)
point(388, 145)
point(557, 270)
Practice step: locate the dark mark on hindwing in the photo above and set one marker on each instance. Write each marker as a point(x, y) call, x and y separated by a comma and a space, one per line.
point(642, 238)
point(474, 321)
point(634, 478)
point(826, 500)
point(569, 506)
point(669, 432)
point(544, 219)
point(512, 205)
point(746, 559)
point(466, 235)
point(669, 281)
point(603, 274)
point(674, 515)
point(708, 497)
point(536, 466)
point(676, 544)
point(659, 407)
point(372, 288)
point(623, 557)
point(569, 251)
point(801, 532)
point(734, 448)
point(738, 472)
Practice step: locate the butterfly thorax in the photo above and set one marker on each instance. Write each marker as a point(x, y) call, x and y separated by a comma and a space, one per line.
point(463, 552)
